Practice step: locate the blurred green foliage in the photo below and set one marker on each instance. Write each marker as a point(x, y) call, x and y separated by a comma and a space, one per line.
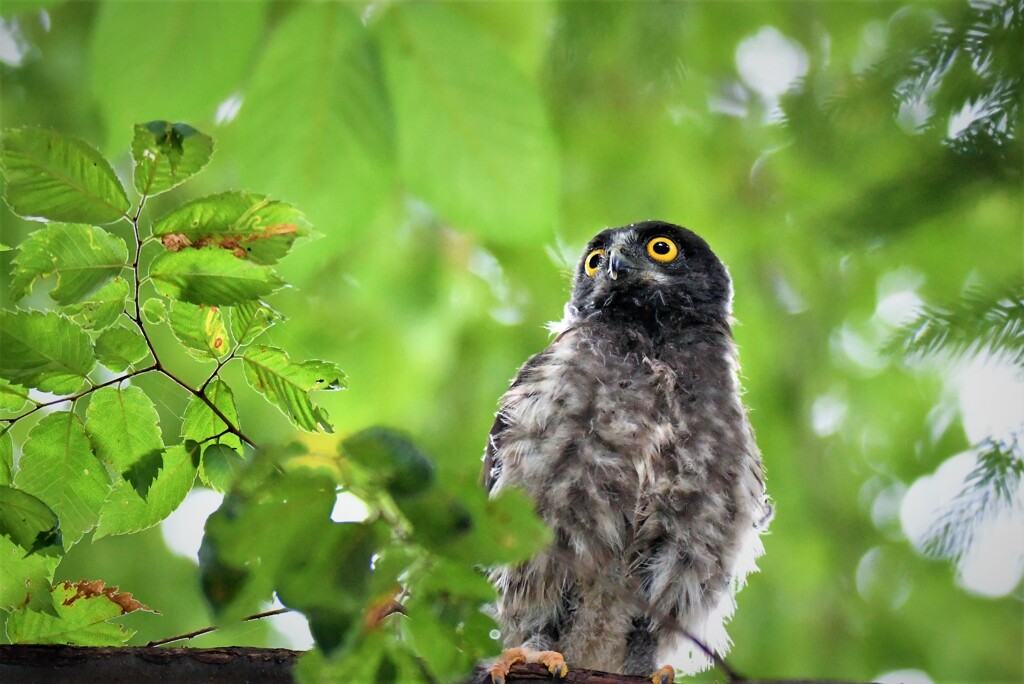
point(454, 159)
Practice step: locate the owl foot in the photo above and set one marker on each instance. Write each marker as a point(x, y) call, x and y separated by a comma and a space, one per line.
point(664, 675)
point(554, 661)
point(510, 656)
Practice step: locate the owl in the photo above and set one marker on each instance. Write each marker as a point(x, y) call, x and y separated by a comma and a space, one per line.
point(630, 435)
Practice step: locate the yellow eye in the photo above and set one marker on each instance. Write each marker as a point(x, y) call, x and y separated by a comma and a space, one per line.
point(593, 262)
point(662, 249)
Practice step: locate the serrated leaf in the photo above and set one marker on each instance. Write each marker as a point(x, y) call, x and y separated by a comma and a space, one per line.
point(102, 308)
point(124, 430)
point(153, 310)
point(249, 225)
point(250, 320)
point(12, 397)
point(25, 578)
point(119, 347)
point(58, 466)
point(200, 329)
point(83, 619)
point(220, 466)
point(44, 350)
point(125, 511)
point(59, 178)
point(471, 128)
point(82, 257)
point(167, 154)
point(6, 457)
point(200, 423)
point(211, 276)
point(287, 385)
point(29, 522)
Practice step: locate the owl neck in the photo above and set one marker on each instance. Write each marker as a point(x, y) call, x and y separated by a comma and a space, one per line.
point(661, 327)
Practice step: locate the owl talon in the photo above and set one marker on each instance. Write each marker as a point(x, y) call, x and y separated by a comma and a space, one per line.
point(664, 675)
point(504, 663)
point(554, 661)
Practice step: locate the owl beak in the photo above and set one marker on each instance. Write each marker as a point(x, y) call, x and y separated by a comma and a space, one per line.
point(618, 264)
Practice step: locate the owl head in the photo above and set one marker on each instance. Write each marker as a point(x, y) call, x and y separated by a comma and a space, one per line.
point(650, 272)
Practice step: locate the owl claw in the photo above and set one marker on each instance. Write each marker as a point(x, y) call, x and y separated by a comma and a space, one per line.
point(664, 675)
point(553, 660)
point(504, 663)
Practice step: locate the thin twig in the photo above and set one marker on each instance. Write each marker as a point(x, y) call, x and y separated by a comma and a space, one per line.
point(79, 395)
point(216, 371)
point(207, 630)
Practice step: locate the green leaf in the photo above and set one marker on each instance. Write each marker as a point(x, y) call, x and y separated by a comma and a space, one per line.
point(6, 457)
point(44, 350)
point(252, 541)
point(397, 464)
point(220, 466)
point(153, 310)
point(82, 257)
point(29, 522)
point(119, 347)
point(57, 465)
point(471, 128)
point(250, 320)
point(322, 61)
point(168, 60)
point(125, 511)
point(124, 429)
point(83, 618)
point(200, 329)
point(102, 308)
point(12, 397)
point(211, 276)
point(248, 224)
point(287, 385)
point(200, 423)
point(167, 154)
point(59, 178)
point(25, 578)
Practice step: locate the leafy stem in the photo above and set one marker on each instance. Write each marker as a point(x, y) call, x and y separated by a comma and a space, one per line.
point(157, 363)
point(79, 395)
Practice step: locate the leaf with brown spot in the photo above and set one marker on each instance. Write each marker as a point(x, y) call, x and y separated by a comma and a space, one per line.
point(247, 224)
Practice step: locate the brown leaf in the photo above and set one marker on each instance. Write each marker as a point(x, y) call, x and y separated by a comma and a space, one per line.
point(91, 589)
point(175, 242)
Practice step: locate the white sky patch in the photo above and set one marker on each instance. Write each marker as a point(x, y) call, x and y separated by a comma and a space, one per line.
point(13, 46)
point(828, 413)
point(991, 399)
point(904, 677)
point(291, 627)
point(183, 529)
point(349, 508)
point(769, 62)
point(897, 296)
point(994, 564)
point(228, 109)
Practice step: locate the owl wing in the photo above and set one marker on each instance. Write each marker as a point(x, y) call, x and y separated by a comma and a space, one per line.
point(492, 460)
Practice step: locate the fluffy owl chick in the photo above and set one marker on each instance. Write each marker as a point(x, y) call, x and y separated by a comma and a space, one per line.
point(629, 433)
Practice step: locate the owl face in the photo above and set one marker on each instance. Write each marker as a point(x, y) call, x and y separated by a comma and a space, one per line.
point(652, 272)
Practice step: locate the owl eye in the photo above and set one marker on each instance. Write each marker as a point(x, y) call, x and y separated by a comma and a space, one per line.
point(593, 262)
point(662, 249)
